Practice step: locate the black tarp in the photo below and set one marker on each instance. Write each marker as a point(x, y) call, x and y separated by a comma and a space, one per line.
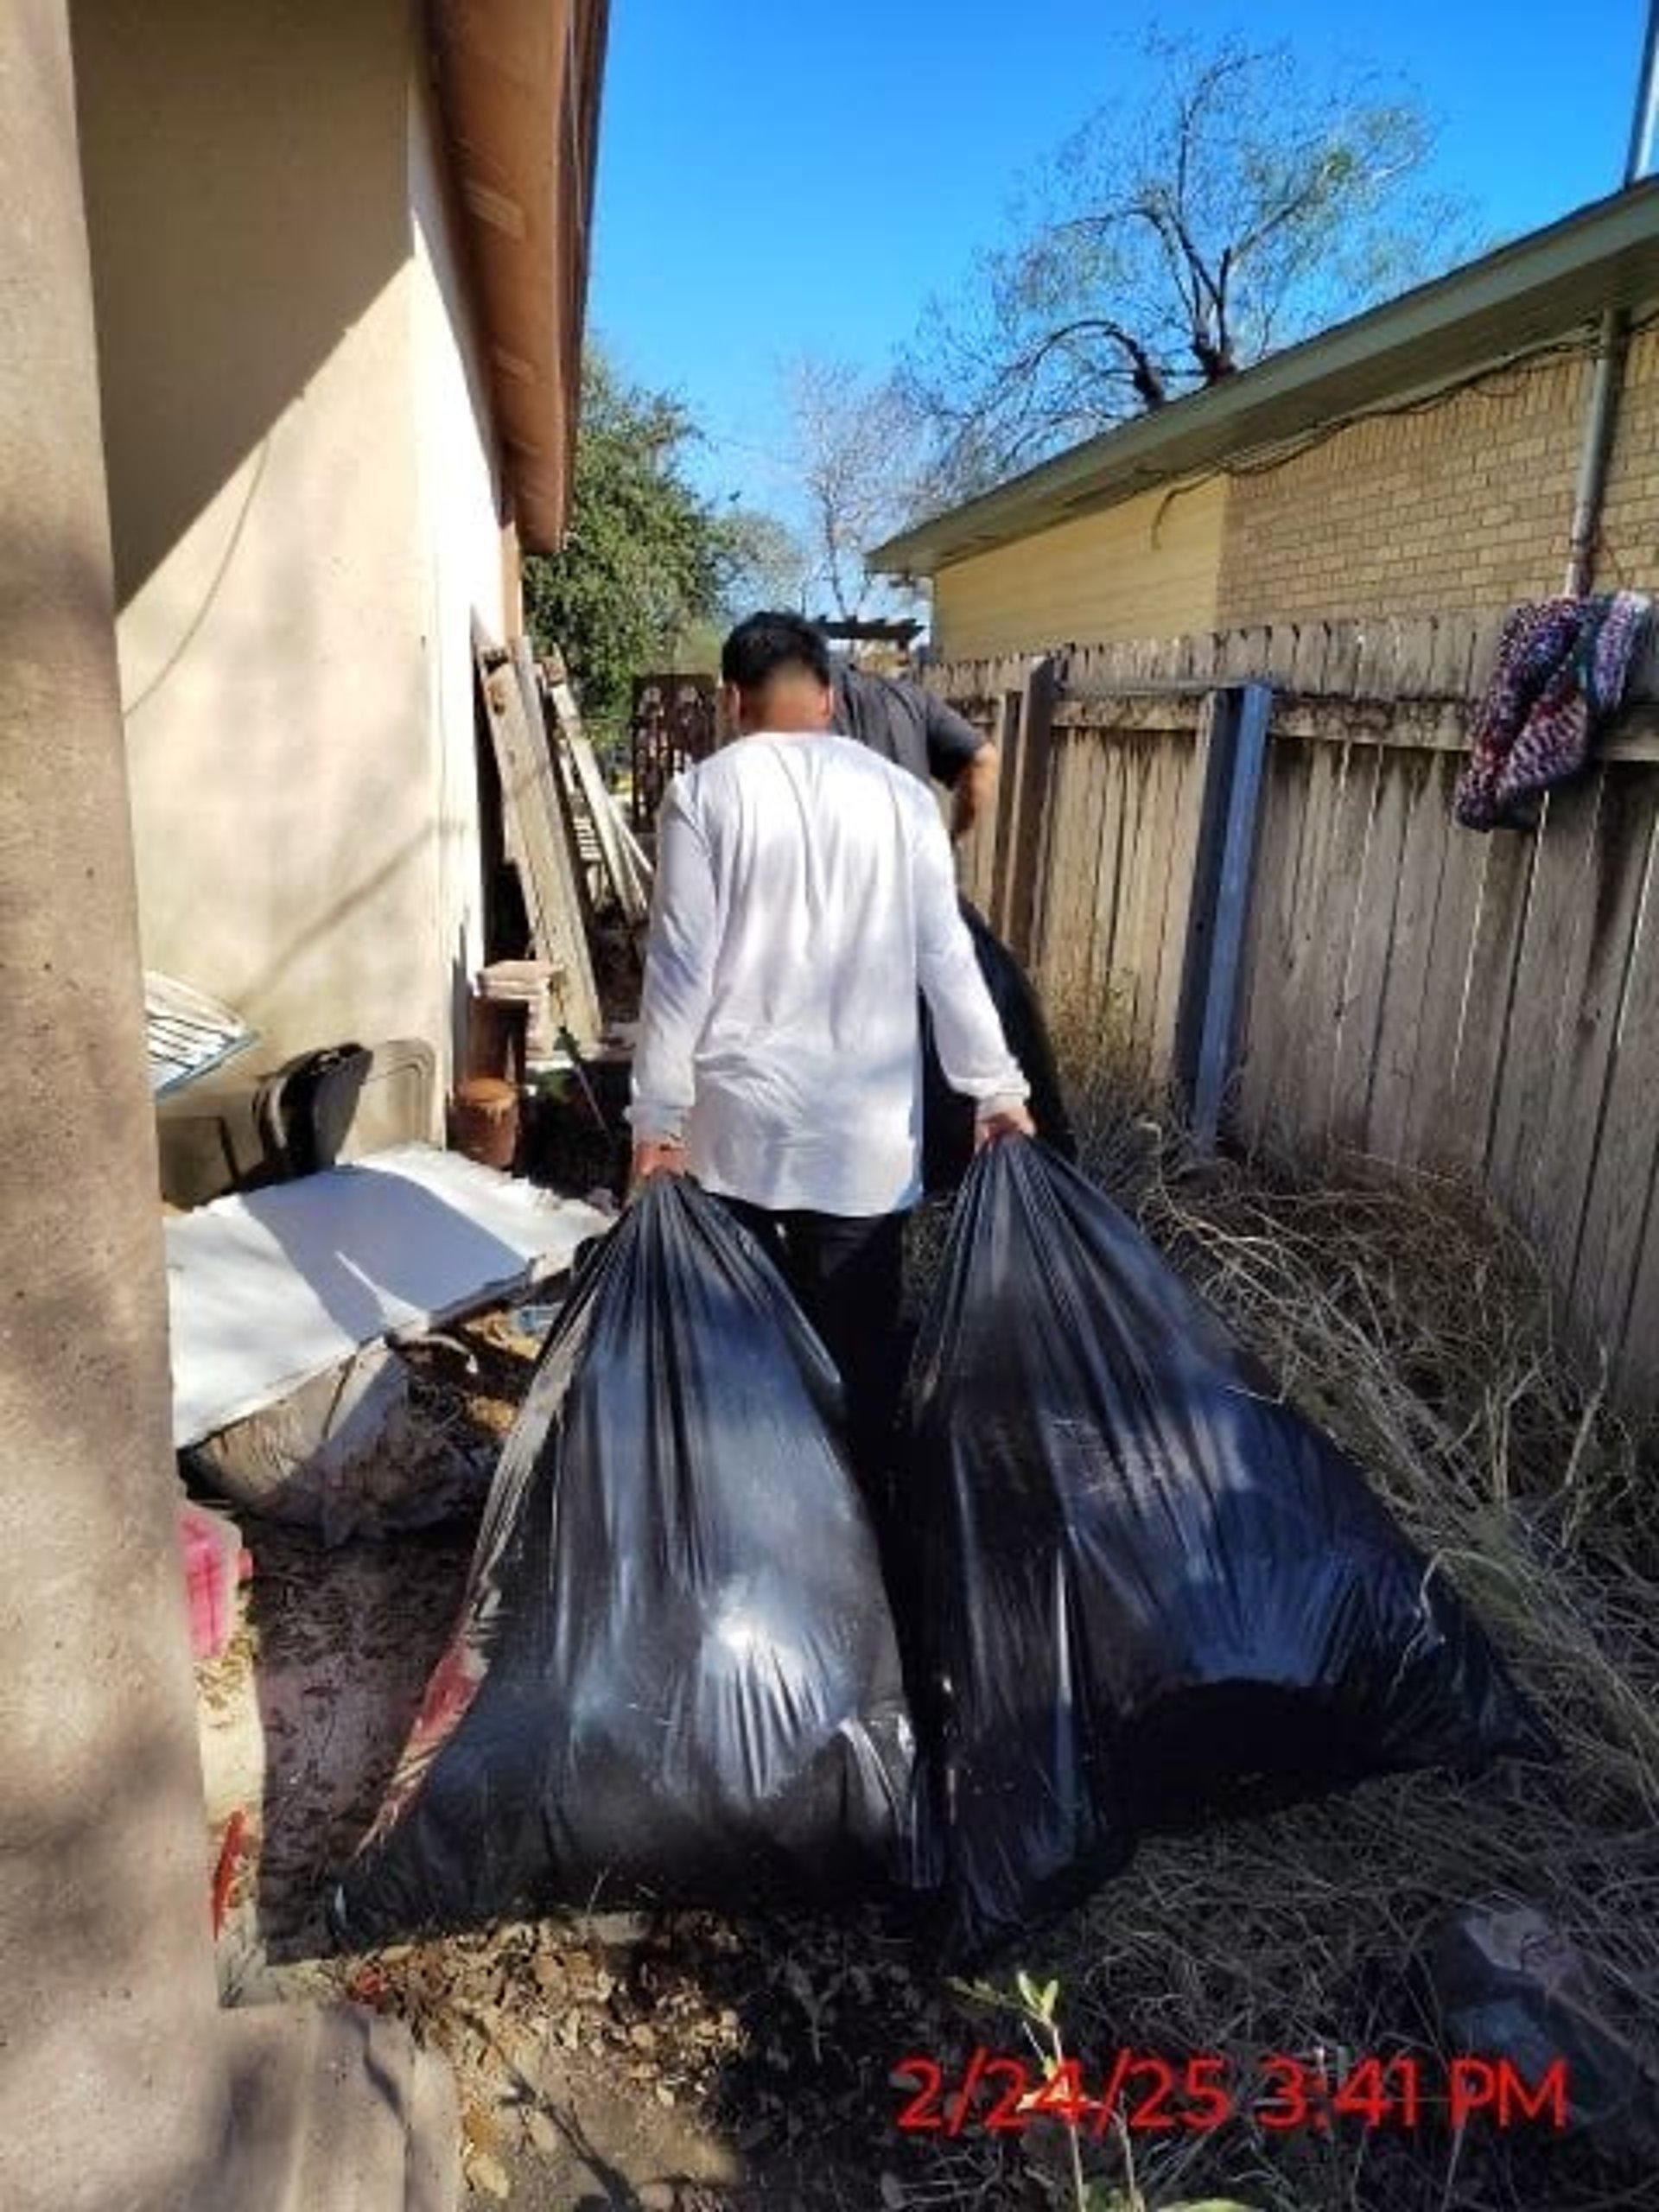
point(675, 1677)
point(1148, 1589)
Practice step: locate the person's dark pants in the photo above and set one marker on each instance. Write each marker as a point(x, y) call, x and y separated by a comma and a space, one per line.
point(846, 1273)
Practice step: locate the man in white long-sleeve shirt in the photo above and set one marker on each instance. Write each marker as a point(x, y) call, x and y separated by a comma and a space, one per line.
point(804, 893)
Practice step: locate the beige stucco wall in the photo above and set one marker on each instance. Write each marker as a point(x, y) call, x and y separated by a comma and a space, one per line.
point(302, 506)
point(1146, 568)
point(463, 572)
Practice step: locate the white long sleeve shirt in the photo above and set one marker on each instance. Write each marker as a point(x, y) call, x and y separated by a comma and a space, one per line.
point(803, 893)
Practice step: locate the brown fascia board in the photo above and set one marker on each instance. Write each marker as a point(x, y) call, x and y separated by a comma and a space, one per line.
point(519, 88)
point(1541, 287)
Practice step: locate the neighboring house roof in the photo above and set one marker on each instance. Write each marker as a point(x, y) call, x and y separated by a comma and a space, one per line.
point(518, 90)
point(1508, 303)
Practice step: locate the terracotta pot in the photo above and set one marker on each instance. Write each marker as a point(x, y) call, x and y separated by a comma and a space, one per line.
point(486, 1118)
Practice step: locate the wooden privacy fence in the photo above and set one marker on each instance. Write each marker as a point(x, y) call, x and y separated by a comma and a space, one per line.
point(1403, 990)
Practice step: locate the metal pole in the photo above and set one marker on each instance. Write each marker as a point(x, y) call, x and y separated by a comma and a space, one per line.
point(1612, 344)
point(1646, 118)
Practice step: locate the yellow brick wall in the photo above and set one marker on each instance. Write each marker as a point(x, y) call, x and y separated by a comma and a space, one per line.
point(1461, 505)
point(1628, 552)
point(1146, 568)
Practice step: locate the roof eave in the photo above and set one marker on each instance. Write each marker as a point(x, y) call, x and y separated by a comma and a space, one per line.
point(1607, 255)
point(518, 92)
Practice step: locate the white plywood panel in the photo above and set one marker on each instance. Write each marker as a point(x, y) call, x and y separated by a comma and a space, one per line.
point(266, 1291)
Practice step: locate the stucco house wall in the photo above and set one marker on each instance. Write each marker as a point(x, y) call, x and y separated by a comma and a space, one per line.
point(305, 502)
point(465, 575)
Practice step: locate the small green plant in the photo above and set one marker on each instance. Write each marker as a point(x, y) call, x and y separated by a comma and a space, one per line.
point(1038, 2009)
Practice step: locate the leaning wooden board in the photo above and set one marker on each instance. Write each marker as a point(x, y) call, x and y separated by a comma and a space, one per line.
point(591, 783)
point(531, 795)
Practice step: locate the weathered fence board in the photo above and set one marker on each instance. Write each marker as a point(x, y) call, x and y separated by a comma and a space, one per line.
point(1134, 962)
point(1193, 756)
point(1304, 1118)
point(1487, 982)
point(1370, 941)
point(1066, 858)
point(979, 855)
point(1406, 995)
point(1171, 808)
point(1638, 1360)
point(1584, 1048)
point(1618, 1209)
point(1556, 964)
point(1300, 804)
point(1429, 1114)
point(1109, 871)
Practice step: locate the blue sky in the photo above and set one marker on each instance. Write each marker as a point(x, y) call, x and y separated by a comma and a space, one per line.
point(777, 180)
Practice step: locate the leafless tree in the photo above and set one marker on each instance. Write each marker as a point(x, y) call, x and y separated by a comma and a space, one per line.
point(859, 445)
point(1238, 208)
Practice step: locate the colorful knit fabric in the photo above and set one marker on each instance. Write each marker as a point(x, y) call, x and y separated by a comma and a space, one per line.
point(1562, 670)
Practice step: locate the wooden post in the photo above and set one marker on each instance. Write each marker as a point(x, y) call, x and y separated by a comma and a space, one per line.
point(1009, 733)
point(1216, 743)
point(1249, 750)
point(1023, 823)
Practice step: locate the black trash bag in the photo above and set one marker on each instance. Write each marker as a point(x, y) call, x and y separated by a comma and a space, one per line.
point(947, 1116)
point(1148, 1591)
point(675, 1678)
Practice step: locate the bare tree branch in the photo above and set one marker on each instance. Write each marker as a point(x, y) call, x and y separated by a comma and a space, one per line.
point(1240, 206)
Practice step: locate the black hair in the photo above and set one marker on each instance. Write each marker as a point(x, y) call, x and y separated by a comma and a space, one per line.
point(763, 643)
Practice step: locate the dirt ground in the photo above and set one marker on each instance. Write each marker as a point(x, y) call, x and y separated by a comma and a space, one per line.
point(695, 2063)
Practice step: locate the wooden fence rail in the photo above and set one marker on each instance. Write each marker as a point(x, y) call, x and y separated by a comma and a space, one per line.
point(1410, 992)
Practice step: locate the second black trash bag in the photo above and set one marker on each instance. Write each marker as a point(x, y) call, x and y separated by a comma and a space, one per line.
point(947, 1116)
point(1148, 1588)
point(675, 1679)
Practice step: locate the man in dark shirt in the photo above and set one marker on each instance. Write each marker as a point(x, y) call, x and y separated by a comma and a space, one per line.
point(905, 723)
point(909, 725)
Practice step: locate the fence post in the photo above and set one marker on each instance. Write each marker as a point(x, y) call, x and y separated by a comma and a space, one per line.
point(1009, 737)
point(1023, 819)
point(1240, 762)
point(981, 854)
point(1213, 763)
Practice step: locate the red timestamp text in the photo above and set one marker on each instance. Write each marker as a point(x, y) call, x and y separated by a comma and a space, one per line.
point(1147, 2093)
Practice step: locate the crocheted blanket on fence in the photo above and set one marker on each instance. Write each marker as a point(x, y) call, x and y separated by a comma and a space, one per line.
point(1562, 670)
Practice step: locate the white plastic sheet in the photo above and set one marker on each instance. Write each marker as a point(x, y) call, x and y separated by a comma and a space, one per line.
point(267, 1290)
